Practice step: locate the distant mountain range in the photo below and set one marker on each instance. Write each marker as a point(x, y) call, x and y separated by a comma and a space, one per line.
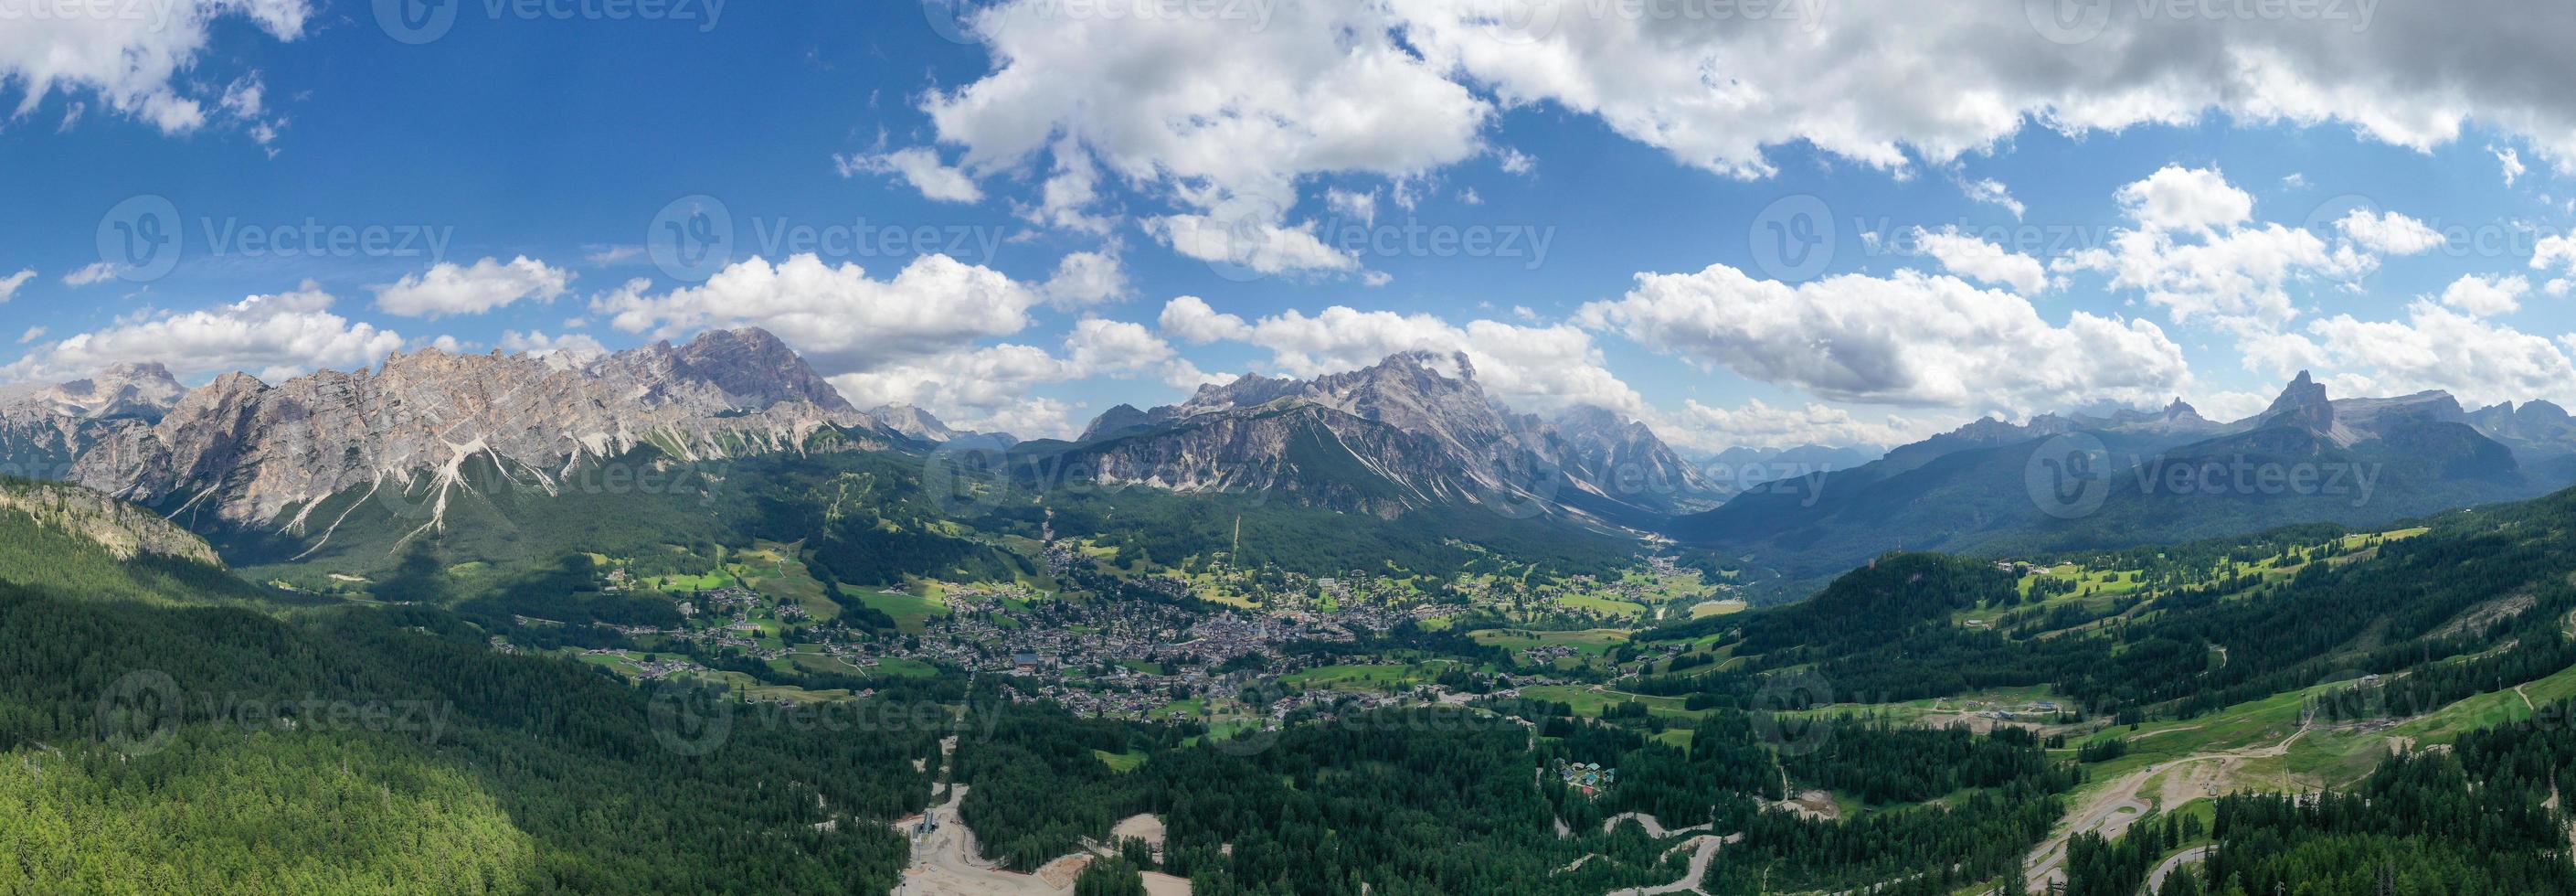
point(2065, 481)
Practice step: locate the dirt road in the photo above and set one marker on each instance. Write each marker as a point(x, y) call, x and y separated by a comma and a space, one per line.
point(2112, 810)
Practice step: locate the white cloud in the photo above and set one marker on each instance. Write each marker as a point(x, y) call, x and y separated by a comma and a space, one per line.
point(989, 388)
point(1991, 192)
point(2478, 361)
point(1514, 161)
point(2486, 296)
point(32, 334)
point(2195, 252)
point(2555, 250)
point(1189, 319)
point(1256, 243)
point(841, 319)
point(2512, 162)
point(539, 344)
point(1911, 339)
point(1984, 262)
point(139, 64)
point(1086, 278)
point(9, 284)
point(1355, 204)
point(1210, 107)
point(447, 288)
point(919, 167)
point(2178, 198)
point(2389, 233)
point(274, 336)
point(94, 272)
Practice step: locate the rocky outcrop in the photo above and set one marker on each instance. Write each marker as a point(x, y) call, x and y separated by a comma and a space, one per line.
point(125, 530)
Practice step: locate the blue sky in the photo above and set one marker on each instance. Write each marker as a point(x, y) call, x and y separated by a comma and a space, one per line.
point(1125, 198)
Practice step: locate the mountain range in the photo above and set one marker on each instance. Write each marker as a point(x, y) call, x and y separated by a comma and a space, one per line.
point(1993, 486)
point(1414, 432)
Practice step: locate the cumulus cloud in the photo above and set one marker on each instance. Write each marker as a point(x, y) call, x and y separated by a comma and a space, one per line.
point(1210, 107)
point(274, 336)
point(1981, 261)
point(989, 388)
point(1253, 239)
point(2434, 347)
point(2388, 233)
point(447, 288)
point(1189, 319)
point(839, 317)
point(9, 284)
point(1909, 339)
point(140, 65)
point(1086, 278)
point(2178, 198)
point(1882, 82)
point(2486, 296)
point(917, 166)
point(2196, 253)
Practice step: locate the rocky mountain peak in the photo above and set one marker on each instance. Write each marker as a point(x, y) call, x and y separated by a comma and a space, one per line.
point(912, 421)
point(757, 370)
point(2302, 404)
